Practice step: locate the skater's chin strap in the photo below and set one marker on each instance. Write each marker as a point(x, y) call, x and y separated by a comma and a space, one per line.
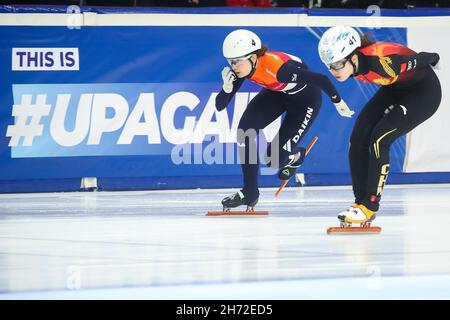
point(360, 61)
point(253, 67)
point(354, 67)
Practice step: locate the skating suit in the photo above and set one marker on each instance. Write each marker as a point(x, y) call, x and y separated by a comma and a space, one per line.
point(287, 87)
point(410, 93)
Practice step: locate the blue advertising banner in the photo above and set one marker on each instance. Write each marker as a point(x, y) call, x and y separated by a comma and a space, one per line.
point(128, 101)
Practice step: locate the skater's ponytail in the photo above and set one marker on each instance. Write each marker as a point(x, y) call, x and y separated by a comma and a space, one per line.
point(261, 52)
point(366, 40)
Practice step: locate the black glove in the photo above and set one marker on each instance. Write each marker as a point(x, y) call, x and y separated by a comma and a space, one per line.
point(432, 58)
point(436, 60)
point(336, 99)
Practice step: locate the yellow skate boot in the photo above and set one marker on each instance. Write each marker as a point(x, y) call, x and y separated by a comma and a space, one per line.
point(357, 213)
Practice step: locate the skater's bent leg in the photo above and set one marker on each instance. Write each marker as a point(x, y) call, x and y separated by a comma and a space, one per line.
point(358, 155)
point(382, 137)
point(248, 157)
point(358, 152)
point(264, 108)
point(416, 106)
point(302, 112)
point(284, 145)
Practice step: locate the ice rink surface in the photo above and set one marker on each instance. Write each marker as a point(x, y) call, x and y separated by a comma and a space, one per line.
point(160, 245)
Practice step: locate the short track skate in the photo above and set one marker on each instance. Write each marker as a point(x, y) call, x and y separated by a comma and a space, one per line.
point(346, 227)
point(234, 201)
point(311, 144)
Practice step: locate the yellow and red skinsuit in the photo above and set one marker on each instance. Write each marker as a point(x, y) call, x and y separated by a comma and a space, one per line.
point(387, 72)
point(397, 107)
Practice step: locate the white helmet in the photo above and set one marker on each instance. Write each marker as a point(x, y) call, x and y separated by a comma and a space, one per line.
point(337, 43)
point(240, 43)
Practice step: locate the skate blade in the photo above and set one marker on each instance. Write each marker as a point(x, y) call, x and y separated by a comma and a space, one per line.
point(236, 213)
point(334, 230)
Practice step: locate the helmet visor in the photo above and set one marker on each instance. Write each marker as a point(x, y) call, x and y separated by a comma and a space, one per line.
point(238, 61)
point(338, 65)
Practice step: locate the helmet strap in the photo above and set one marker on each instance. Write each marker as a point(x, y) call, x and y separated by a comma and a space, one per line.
point(253, 67)
point(355, 72)
point(354, 67)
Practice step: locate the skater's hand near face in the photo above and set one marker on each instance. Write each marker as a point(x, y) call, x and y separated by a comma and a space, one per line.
point(343, 109)
point(228, 78)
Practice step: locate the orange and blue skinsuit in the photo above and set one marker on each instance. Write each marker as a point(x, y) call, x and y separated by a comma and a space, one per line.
point(287, 87)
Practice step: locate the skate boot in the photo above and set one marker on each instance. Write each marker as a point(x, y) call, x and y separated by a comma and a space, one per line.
point(357, 213)
point(236, 200)
point(295, 162)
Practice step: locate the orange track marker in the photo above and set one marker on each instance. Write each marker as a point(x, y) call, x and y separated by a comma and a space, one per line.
point(336, 230)
point(236, 213)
